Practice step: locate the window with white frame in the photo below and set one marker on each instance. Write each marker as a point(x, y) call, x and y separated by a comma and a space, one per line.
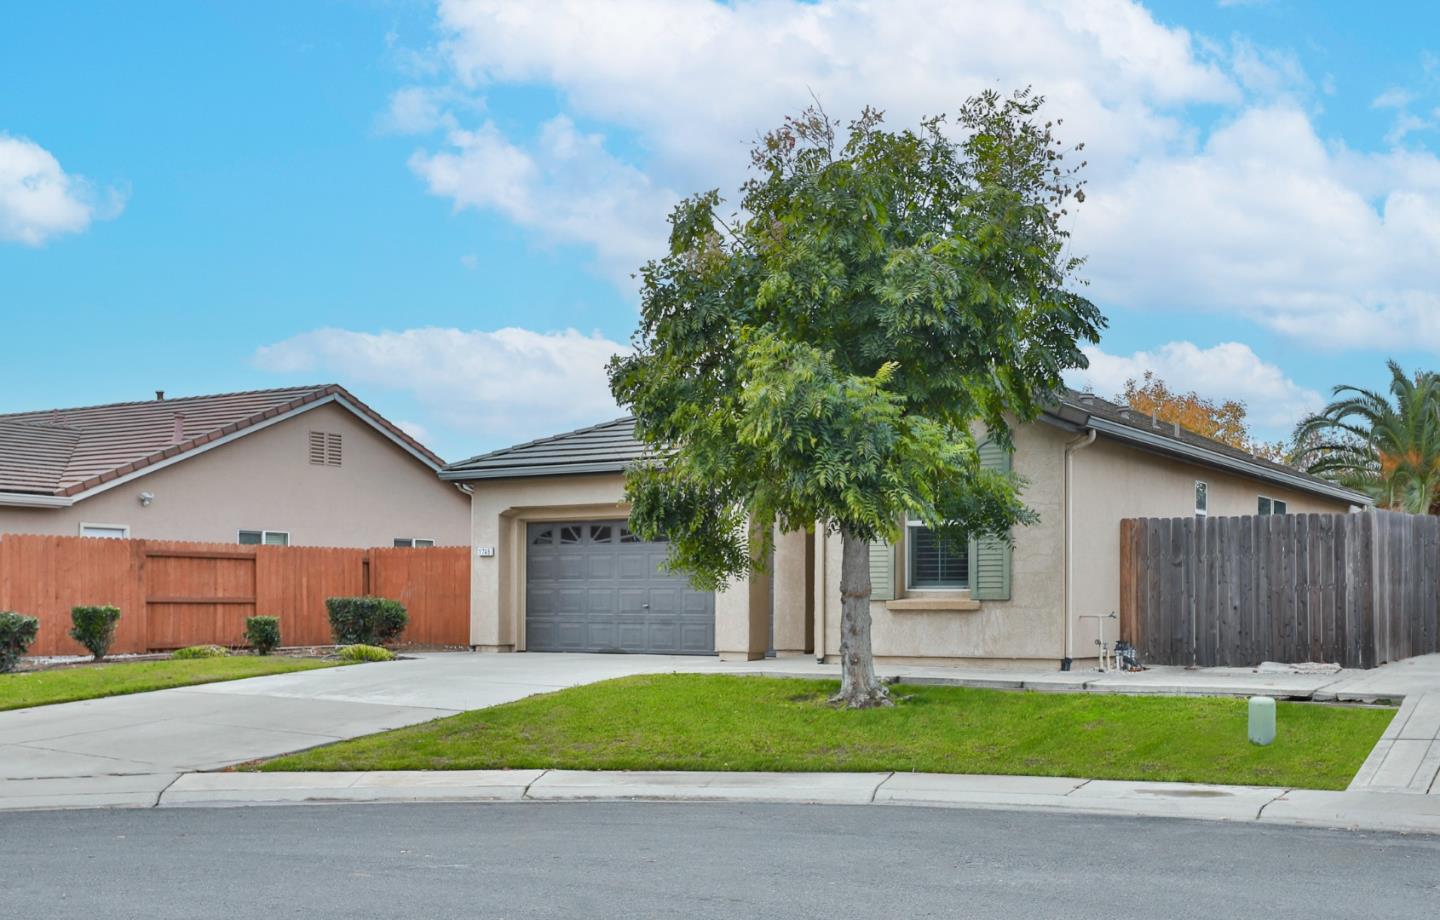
point(265, 537)
point(1202, 497)
point(108, 531)
point(1270, 506)
point(416, 542)
point(933, 563)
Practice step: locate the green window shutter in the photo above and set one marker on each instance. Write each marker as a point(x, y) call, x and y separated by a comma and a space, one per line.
point(990, 556)
point(882, 571)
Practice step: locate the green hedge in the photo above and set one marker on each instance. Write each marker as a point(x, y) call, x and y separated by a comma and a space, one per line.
point(263, 634)
point(366, 620)
point(16, 634)
point(94, 627)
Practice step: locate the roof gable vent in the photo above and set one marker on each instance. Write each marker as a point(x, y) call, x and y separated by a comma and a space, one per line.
point(325, 448)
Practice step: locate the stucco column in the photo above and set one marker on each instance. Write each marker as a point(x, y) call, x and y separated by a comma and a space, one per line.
point(488, 574)
point(742, 619)
point(794, 593)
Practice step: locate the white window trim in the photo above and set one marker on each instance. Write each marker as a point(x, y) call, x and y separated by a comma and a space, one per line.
point(124, 528)
point(429, 542)
point(1201, 512)
point(263, 534)
point(928, 589)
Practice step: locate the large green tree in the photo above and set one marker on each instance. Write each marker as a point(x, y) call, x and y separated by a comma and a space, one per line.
point(822, 358)
point(1384, 444)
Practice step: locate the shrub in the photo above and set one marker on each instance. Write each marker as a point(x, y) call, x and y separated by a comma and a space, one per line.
point(199, 651)
point(94, 627)
point(263, 634)
point(366, 620)
point(16, 634)
point(366, 653)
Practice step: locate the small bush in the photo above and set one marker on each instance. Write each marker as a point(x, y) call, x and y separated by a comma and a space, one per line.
point(263, 634)
point(199, 651)
point(366, 620)
point(16, 634)
point(366, 653)
point(94, 628)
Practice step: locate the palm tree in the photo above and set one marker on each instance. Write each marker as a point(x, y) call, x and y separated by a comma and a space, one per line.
point(1389, 450)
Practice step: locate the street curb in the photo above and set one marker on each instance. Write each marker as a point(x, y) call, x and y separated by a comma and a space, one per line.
point(1351, 810)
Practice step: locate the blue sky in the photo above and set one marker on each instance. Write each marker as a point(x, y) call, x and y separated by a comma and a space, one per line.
point(439, 206)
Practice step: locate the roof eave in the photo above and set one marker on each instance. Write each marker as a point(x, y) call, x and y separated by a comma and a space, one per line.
point(522, 472)
point(34, 500)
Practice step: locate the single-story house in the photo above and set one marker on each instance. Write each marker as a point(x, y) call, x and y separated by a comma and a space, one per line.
point(295, 466)
point(557, 569)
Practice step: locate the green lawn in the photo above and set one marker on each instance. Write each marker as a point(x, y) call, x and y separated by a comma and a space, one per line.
point(696, 722)
point(65, 685)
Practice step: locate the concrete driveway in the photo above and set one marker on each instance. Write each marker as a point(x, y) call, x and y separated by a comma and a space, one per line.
point(215, 725)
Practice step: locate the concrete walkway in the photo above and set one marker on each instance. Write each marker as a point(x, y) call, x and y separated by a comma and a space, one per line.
point(127, 750)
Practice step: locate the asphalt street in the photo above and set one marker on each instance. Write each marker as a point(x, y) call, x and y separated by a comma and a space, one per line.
point(636, 860)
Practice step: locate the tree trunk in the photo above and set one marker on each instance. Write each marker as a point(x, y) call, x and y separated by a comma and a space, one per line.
point(859, 688)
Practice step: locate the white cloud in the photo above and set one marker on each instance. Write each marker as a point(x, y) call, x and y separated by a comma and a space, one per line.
point(1269, 221)
point(494, 387)
point(1395, 97)
point(1230, 370)
point(1247, 212)
point(566, 187)
point(39, 200)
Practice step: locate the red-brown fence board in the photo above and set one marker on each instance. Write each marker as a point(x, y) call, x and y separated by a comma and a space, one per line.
point(172, 594)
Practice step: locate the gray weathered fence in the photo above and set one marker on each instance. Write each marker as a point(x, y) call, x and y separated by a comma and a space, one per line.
point(1358, 589)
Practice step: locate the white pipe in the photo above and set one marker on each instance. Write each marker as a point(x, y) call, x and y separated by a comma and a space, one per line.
point(822, 540)
point(1071, 447)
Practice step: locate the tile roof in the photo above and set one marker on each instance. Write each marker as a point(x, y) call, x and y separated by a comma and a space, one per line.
point(68, 451)
point(1137, 427)
point(608, 447)
point(611, 447)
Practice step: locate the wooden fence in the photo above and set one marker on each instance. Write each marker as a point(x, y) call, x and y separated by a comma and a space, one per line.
point(1355, 589)
point(173, 594)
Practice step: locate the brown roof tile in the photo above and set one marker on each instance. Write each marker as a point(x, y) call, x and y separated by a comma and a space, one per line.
point(67, 451)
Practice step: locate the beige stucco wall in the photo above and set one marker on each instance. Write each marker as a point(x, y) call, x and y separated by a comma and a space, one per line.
point(1112, 482)
point(264, 481)
point(499, 511)
point(1109, 482)
point(1027, 627)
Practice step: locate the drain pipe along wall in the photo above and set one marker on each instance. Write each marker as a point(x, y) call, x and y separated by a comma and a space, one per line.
point(1071, 447)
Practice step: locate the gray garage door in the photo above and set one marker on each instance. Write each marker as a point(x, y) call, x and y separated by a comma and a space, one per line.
point(594, 586)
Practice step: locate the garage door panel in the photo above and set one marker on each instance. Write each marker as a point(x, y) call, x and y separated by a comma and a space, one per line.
point(570, 601)
point(664, 635)
point(633, 600)
point(601, 567)
point(571, 566)
point(592, 586)
point(696, 638)
point(541, 602)
point(635, 567)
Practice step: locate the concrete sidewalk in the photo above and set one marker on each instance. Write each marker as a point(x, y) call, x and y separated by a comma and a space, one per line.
point(1352, 810)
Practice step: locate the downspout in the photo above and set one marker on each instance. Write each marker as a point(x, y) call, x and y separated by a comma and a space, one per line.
point(1080, 443)
point(817, 573)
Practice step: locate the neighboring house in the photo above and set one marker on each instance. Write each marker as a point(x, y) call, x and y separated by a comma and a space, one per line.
point(307, 466)
point(558, 570)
